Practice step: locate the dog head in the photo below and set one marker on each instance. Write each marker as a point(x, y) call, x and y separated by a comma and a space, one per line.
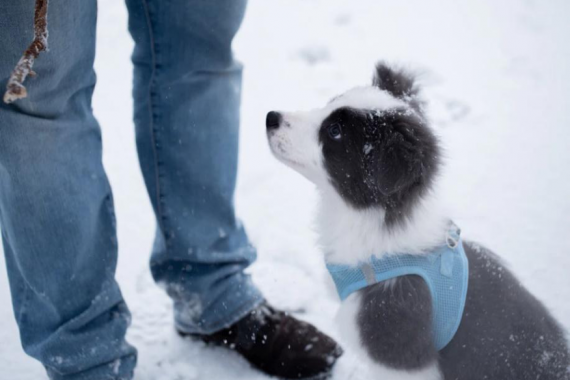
point(372, 144)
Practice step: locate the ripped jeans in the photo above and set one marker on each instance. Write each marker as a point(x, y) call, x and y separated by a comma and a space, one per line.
point(56, 206)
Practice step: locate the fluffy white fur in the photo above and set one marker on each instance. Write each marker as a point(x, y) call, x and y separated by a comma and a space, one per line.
point(348, 236)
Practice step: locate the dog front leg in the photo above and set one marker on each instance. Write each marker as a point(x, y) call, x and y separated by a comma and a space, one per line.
point(388, 326)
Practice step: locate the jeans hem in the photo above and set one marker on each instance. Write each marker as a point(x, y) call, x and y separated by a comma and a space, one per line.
point(124, 371)
point(221, 324)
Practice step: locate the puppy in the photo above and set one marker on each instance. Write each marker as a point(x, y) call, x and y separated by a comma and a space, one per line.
point(375, 160)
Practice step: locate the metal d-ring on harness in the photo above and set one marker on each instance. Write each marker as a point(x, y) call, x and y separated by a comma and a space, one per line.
point(445, 269)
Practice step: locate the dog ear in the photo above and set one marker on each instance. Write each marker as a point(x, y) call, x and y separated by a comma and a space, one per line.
point(398, 82)
point(400, 165)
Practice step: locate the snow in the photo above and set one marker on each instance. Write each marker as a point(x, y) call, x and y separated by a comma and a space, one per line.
point(498, 86)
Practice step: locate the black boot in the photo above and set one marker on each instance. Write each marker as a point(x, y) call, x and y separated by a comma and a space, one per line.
point(278, 344)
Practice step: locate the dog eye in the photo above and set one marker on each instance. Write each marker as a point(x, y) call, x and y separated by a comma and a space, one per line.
point(335, 132)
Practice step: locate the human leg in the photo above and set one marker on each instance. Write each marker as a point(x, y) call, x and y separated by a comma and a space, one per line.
point(187, 96)
point(56, 207)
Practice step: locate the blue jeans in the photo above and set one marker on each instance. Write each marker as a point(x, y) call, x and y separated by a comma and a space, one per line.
point(56, 206)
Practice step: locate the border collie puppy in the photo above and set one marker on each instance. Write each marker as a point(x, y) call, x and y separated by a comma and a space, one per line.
point(419, 302)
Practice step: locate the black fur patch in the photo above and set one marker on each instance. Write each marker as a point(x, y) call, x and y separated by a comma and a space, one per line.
point(382, 159)
point(505, 333)
point(399, 83)
point(395, 323)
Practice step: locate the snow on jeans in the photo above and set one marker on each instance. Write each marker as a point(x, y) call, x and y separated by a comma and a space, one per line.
point(56, 206)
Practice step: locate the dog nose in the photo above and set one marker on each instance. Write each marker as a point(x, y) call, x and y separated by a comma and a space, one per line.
point(273, 120)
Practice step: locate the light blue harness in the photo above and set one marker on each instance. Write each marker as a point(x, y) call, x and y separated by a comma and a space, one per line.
point(445, 270)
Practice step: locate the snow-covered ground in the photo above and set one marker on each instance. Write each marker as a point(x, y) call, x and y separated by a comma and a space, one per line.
point(497, 75)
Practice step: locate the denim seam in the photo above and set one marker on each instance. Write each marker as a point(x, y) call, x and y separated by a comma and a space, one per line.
point(109, 202)
point(152, 82)
point(24, 305)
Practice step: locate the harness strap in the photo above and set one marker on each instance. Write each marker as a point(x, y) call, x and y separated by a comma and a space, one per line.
point(445, 271)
